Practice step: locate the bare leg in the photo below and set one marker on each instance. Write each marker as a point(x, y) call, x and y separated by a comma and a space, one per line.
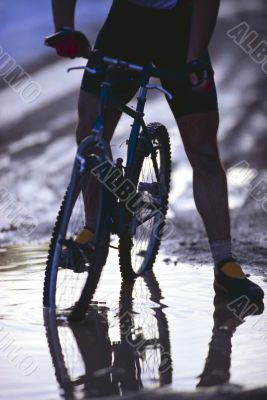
point(199, 135)
point(88, 110)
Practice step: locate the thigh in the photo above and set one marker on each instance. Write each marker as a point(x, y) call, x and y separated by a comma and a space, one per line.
point(122, 36)
point(199, 133)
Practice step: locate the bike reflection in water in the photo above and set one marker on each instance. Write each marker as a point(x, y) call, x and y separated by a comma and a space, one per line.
point(88, 363)
point(228, 315)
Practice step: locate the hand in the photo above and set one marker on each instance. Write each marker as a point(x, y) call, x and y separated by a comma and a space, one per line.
point(73, 44)
point(200, 76)
point(69, 43)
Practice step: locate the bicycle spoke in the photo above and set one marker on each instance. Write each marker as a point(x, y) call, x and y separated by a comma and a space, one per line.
point(69, 283)
point(151, 175)
point(144, 230)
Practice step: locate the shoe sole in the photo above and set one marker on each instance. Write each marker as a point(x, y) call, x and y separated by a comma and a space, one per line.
point(258, 295)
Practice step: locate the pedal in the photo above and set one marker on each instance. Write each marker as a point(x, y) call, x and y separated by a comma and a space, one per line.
point(71, 244)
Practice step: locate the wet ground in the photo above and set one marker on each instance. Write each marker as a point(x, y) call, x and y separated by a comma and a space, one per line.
point(201, 340)
point(180, 336)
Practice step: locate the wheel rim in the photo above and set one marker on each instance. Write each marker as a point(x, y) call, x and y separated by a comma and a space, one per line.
point(70, 284)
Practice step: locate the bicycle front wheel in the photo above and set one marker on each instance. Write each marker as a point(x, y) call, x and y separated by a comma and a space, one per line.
point(150, 174)
point(70, 282)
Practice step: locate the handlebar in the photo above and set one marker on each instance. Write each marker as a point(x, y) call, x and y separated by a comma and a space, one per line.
point(122, 64)
point(150, 69)
point(195, 67)
point(109, 61)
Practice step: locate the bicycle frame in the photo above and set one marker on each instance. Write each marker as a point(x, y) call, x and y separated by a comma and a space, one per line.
point(137, 114)
point(96, 138)
point(92, 153)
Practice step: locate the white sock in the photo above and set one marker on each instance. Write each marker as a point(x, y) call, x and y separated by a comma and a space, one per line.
point(220, 250)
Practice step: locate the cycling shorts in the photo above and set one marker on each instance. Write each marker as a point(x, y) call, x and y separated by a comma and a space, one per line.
point(143, 35)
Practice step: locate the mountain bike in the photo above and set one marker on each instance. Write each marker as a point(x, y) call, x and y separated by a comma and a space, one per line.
point(132, 199)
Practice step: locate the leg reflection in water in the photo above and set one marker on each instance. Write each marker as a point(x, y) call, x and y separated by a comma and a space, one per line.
point(144, 349)
point(89, 364)
point(228, 314)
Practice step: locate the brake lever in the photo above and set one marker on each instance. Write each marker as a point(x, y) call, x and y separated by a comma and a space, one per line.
point(90, 70)
point(161, 89)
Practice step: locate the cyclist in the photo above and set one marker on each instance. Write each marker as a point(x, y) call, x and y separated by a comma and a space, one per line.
point(171, 34)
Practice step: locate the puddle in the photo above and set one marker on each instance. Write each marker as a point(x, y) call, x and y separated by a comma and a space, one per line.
point(163, 331)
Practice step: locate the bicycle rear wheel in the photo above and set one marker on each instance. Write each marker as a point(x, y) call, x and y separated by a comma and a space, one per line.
point(70, 284)
point(139, 247)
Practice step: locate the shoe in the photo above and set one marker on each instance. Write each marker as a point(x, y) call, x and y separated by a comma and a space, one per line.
point(230, 279)
point(76, 256)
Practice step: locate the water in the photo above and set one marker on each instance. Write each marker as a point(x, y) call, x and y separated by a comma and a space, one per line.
point(115, 351)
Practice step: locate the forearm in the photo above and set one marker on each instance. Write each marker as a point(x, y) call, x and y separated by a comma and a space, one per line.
point(204, 18)
point(63, 12)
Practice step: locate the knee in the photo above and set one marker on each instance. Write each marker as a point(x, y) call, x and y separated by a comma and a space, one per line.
point(199, 134)
point(205, 161)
